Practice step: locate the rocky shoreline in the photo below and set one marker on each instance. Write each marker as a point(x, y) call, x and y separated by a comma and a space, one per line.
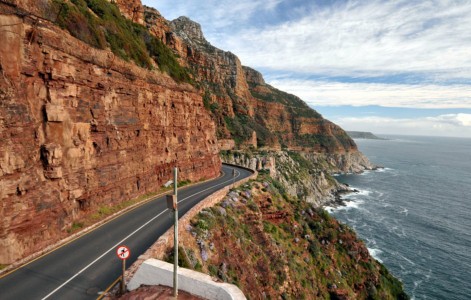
point(338, 200)
point(344, 189)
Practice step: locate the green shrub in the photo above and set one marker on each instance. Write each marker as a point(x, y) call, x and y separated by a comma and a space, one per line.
point(105, 210)
point(207, 99)
point(242, 126)
point(214, 106)
point(79, 22)
point(100, 24)
point(184, 182)
point(198, 266)
point(202, 224)
point(75, 226)
point(213, 270)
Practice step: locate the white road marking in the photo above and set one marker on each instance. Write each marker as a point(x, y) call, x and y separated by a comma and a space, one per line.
point(124, 239)
point(209, 188)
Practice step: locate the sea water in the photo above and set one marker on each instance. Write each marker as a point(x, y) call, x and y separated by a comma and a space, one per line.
point(415, 214)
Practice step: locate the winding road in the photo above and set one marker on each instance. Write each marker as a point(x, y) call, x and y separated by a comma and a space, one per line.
point(86, 266)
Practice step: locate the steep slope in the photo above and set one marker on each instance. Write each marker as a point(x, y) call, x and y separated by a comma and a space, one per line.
point(251, 115)
point(292, 123)
point(243, 103)
point(81, 129)
point(274, 246)
point(248, 112)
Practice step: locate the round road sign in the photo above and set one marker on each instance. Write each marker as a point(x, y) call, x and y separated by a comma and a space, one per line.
point(123, 252)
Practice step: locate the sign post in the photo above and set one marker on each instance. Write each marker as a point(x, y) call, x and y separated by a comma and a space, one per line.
point(175, 242)
point(123, 253)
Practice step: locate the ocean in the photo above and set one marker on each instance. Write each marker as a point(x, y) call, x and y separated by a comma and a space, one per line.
point(415, 214)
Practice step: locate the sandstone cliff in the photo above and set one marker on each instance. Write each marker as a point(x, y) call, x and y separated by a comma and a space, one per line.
point(248, 112)
point(82, 129)
point(244, 106)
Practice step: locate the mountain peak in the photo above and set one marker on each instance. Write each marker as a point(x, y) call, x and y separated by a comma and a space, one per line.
point(188, 30)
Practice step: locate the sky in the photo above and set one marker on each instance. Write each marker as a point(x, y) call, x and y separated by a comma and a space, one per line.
point(389, 67)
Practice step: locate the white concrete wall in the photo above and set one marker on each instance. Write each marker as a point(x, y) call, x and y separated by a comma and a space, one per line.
point(157, 272)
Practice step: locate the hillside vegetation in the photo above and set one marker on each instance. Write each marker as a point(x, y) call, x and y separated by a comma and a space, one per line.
point(275, 246)
point(100, 24)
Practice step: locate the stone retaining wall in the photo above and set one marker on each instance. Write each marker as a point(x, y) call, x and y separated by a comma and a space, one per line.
point(159, 248)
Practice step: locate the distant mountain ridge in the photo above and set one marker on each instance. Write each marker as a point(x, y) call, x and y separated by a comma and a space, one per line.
point(364, 135)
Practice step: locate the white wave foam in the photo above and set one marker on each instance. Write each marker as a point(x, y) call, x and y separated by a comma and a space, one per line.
point(406, 259)
point(329, 209)
point(375, 253)
point(370, 242)
point(348, 205)
point(381, 170)
point(358, 192)
point(364, 193)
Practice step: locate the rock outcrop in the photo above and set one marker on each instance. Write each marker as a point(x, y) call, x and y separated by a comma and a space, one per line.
point(131, 9)
point(306, 176)
point(81, 129)
point(255, 115)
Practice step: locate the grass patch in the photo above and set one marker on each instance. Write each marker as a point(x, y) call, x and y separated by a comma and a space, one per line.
point(3, 266)
point(75, 227)
point(184, 183)
point(105, 211)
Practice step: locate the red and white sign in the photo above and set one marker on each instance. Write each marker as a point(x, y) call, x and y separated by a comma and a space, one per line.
point(123, 252)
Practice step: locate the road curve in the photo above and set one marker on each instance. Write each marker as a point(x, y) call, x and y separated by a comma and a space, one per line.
point(88, 265)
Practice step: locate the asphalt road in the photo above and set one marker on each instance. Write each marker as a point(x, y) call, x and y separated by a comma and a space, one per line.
point(88, 265)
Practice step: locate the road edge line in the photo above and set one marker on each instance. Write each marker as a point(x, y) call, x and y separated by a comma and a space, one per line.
point(64, 242)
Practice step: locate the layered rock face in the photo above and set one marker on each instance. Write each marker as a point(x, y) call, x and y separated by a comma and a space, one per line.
point(81, 129)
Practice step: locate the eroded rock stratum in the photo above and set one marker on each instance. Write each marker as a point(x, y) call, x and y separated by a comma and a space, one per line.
point(81, 129)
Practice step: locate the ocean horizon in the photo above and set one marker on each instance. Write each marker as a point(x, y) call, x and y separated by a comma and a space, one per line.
point(415, 214)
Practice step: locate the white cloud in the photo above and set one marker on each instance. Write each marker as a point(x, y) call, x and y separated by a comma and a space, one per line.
point(426, 40)
point(217, 14)
point(366, 38)
point(389, 95)
point(453, 119)
point(457, 125)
